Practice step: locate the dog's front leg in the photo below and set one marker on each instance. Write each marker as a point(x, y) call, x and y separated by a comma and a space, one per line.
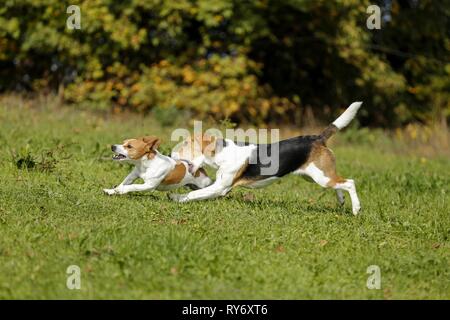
point(219, 188)
point(146, 186)
point(213, 191)
point(130, 178)
point(133, 175)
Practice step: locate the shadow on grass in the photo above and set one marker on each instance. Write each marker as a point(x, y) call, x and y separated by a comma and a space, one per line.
point(302, 206)
point(137, 195)
point(246, 200)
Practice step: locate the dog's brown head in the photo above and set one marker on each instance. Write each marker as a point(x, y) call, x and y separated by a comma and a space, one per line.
point(135, 149)
point(195, 146)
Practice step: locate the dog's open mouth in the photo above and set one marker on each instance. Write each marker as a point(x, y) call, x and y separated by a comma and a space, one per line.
point(119, 156)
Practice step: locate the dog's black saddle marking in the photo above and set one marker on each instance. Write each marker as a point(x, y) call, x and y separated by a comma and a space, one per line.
point(293, 153)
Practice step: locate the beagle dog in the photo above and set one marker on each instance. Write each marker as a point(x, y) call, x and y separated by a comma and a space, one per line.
point(245, 165)
point(158, 171)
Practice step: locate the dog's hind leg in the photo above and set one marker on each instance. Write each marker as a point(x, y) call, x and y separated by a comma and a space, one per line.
point(340, 196)
point(349, 186)
point(321, 168)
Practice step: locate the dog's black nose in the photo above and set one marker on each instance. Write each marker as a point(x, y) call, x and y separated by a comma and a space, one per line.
point(113, 148)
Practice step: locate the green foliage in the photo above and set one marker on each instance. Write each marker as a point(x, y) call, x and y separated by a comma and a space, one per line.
point(45, 161)
point(166, 116)
point(257, 61)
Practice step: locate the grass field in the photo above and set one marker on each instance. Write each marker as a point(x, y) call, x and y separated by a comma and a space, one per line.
point(289, 240)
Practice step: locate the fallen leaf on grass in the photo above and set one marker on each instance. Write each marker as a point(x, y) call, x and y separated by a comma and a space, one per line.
point(323, 243)
point(179, 221)
point(248, 197)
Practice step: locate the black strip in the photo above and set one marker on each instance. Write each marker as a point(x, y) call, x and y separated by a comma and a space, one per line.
point(224, 309)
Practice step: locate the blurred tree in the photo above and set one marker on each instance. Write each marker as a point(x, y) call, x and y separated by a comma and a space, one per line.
point(257, 61)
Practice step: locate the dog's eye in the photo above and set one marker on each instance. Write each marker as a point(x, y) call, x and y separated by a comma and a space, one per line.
point(129, 146)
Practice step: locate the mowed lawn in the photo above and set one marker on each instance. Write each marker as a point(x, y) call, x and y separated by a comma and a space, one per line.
point(289, 240)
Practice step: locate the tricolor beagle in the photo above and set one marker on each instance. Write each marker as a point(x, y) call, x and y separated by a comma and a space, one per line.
point(243, 165)
point(158, 171)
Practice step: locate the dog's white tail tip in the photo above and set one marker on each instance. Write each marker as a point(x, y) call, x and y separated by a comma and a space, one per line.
point(357, 104)
point(348, 115)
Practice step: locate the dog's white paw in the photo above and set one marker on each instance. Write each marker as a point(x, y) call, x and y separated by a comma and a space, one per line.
point(356, 209)
point(178, 197)
point(109, 191)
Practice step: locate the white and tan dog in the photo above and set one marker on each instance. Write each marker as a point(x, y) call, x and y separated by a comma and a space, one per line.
point(243, 164)
point(158, 171)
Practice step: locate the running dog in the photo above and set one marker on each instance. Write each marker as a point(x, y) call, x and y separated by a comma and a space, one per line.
point(158, 171)
point(242, 165)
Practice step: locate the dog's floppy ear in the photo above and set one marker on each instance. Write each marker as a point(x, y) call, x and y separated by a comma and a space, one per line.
point(152, 143)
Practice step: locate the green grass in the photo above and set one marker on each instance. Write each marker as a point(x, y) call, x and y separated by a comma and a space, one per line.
point(289, 240)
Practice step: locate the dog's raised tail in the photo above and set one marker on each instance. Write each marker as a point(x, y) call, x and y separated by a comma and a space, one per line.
point(341, 122)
